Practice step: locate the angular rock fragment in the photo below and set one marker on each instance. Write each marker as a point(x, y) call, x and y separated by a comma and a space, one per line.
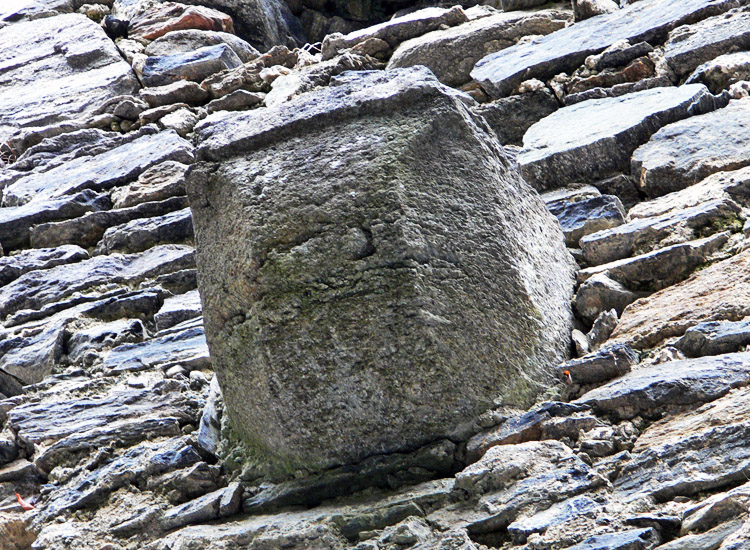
point(602, 365)
point(12, 267)
point(567, 49)
point(57, 69)
point(178, 309)
point(396, 30)
point(714, 338)
point(141, 234)
point(160, 182)
point(581, 217)
point(184, 345)
point(512, 116)
point(158, 20)
point(734, 184)
point(182, 91)
point(559, 513)
point(717, 293)
point(674, 383)
point(316, 268)
point(718, 74)
point(631, 539)
point(593, 139)
point(685, 152)
point(452, 53)
point(511, 480)
point(195, 65)
point(188, 40)
point(692, 45)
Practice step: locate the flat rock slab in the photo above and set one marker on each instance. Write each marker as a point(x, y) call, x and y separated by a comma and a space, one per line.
point(196, 65)
point(587, 215)
point(184, 345)
point(721, 292)
point(38, 288)
point(714, 338)
point(690, 453)
point(733, 184)
point(592, 139)
point(631, 539)
point(178, 309)
point(89, 228)
point(642, 235)
point(660, 268)
point(514, 479)
point(99, 172)
point(362, 133)
point(12, 267)
point(140, 234)
point(57, 69)
point(691, 45)
point(601, 366)
point(188, 40)
point(720, 73)
point(565, 50)
point(512, 116)
point(452, 53)
point(687, 151)
point(674, 383)
point(396, 30)
point(49, 426)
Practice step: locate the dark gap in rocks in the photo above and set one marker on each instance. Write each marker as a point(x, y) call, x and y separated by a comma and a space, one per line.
point(496, 539)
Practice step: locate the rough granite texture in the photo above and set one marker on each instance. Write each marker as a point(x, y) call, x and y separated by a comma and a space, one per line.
point(343, 270)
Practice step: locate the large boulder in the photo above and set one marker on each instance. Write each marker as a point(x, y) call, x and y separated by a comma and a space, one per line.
point(373, 270)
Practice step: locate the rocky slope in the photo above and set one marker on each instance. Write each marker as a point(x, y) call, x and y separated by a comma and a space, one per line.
point(632, 121)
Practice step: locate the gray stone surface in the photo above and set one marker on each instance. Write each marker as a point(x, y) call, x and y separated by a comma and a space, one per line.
point(719, 73)
point(584, 9)
point(88, 229)
point(714, 338)
point(396, 30)
point(692, 45)
point(182, 91)
point(631, 539)
point(177, 309)
point(140, 234)
point(690, 453)
point(643, 235)
point(12, 267)
point(562, 512)
point(181, 344)
point(452, 53)
point(601, 366)
point(57, 69)
point(593, 139)
point(660, 268)
point(194, 65)
point(581, 217)
point(674, 383)
point(512, 116)
point(380, 412)
point(185, 41)
point(38, 288)
point(687, 151)
point(99, 171)
point(566, 49)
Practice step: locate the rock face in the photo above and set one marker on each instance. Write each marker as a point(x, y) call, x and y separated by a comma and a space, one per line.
point(380, 289)
point(56, 69)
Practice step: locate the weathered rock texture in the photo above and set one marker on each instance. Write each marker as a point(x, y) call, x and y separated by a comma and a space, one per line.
point(353, 242)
